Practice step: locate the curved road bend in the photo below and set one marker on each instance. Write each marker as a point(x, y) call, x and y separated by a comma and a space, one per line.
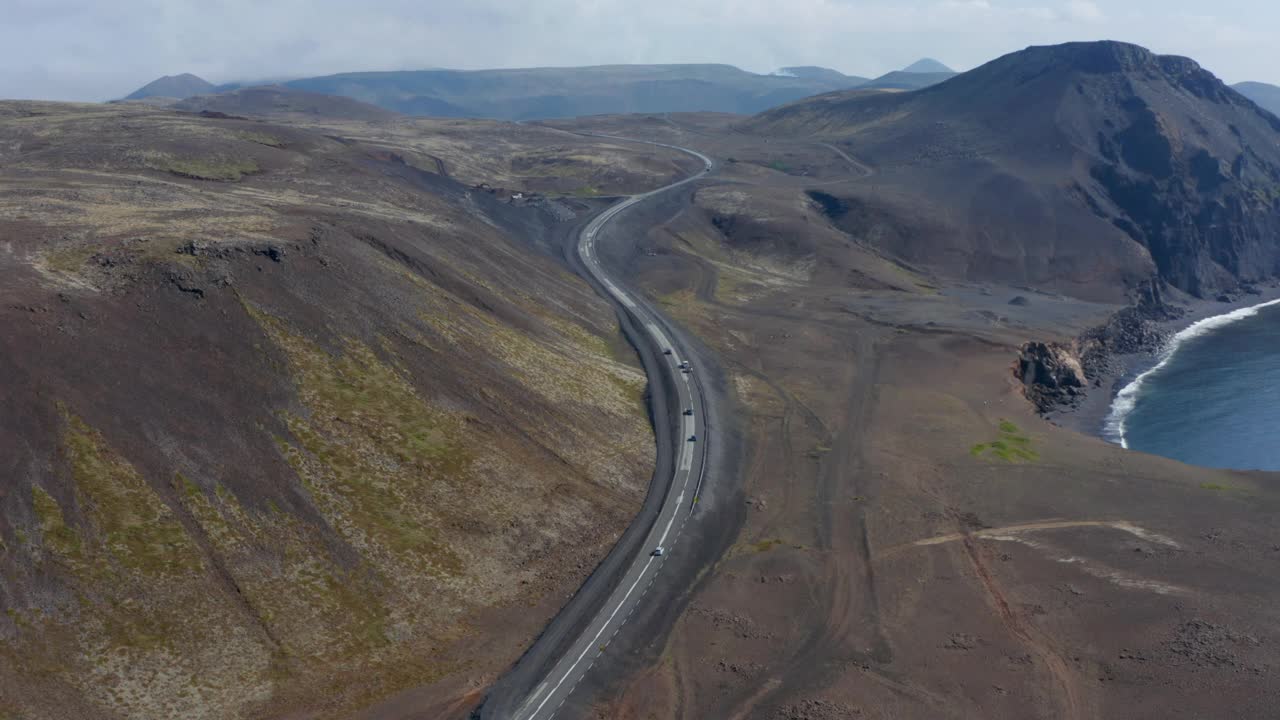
point(679, 495)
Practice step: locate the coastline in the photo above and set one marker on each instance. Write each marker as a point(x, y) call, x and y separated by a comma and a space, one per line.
point(1090, 416)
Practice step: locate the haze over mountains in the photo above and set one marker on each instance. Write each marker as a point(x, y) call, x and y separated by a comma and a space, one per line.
point(927, 65)
point(173, 86)
point(539, 93)
point(1265, 94)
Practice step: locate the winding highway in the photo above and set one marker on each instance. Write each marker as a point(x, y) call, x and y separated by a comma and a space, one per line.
point(679, 498)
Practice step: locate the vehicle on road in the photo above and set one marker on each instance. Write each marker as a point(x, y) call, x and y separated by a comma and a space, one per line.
point(542, 689)
point(688, 411)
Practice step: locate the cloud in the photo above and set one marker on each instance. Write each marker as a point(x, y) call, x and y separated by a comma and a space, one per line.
point(1084, 10)
point(92, 50)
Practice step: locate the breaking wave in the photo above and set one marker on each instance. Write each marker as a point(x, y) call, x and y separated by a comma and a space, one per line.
point(1127, 398)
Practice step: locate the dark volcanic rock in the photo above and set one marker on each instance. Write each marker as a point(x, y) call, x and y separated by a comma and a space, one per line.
point(1055, 375)
point(1051, 374)
point(1086, 167)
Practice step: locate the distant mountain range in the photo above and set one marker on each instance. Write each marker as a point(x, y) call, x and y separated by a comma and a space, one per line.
point(277, 101)
point(539, 93)
point(906, 80)
point(1265, 95)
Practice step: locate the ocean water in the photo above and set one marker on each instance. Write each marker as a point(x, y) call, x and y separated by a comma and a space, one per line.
point(1214, 397)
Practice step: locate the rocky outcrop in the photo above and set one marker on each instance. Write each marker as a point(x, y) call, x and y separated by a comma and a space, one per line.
point(1052, 374)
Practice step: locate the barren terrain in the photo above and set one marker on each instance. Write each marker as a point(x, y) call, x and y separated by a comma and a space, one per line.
point(291, 424)
point(915, 541)
point(304, 415)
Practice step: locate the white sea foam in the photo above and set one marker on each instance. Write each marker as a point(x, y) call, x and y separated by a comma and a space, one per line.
point(1127, 398)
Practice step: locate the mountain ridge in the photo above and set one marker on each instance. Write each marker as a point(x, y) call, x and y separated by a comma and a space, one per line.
point(541, 93)
point(1084, 166)
point(277, 100)
point(548, 92)
point(905, 80)
point(1266, 95)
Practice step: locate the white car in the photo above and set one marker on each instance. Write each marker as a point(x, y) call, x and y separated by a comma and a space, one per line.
point(658, 551)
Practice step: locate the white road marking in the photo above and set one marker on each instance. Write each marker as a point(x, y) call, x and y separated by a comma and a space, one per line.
point(587, 251)
point(598, 634)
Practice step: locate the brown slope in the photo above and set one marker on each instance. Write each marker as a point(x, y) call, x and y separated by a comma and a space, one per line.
point(916, 543)
point(285, 424)
point(1086, 167)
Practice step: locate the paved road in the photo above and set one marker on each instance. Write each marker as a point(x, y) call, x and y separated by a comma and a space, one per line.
point(680, 495)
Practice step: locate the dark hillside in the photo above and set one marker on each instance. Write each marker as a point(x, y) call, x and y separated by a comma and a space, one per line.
point(278, 101)
point(287, 423)
point(1085, 166)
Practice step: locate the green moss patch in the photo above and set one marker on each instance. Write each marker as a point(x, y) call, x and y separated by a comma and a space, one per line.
point(133, 523)
point(1012, 446)
point(1221, 488)
point(57, 536)
point(260, 138)
point(219, 169)
point(371, 451)
point(766, 545)
point(71, 258)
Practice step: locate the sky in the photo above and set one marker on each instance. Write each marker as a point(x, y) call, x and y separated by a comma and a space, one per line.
point(103, 49)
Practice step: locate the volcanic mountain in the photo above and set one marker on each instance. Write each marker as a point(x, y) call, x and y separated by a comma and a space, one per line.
point(173, 86)
point(1086, 167)
point(927, 65)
